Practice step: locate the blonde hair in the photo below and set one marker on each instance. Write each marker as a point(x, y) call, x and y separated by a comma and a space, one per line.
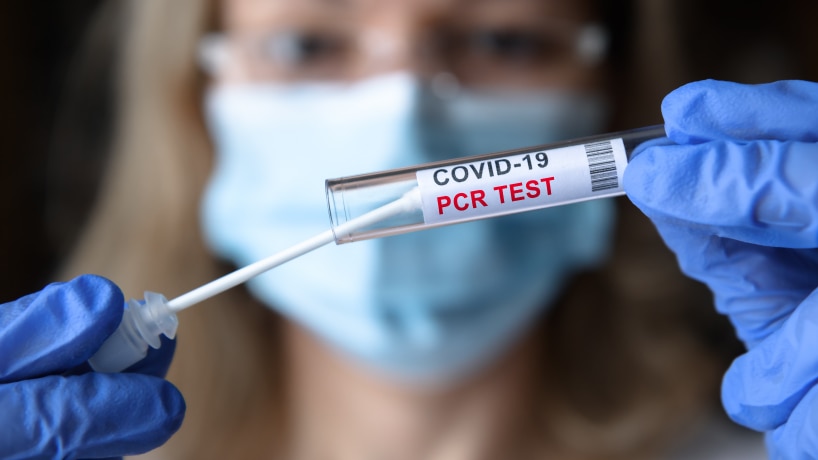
point(145, 232)
point(616, 362)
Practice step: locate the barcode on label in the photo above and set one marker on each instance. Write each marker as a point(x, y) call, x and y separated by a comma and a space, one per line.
point(602, 165)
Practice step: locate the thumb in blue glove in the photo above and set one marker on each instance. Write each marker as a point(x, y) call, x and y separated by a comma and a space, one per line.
point(736, 198)
point(53, 407)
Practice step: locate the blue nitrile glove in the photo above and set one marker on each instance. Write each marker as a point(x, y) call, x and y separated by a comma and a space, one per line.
point(737, 201)
point(51, 404)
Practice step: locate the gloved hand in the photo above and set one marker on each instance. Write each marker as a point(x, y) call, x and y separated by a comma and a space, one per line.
point(52, 405)
point(737, 201)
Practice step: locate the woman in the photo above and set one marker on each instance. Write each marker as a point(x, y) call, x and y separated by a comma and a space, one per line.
point(461, 342)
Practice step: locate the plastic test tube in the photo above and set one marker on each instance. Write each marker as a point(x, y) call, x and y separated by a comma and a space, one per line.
point(404, 200)
point(484, 186)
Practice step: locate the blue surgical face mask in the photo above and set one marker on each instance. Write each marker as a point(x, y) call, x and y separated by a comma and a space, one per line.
point(430, 306)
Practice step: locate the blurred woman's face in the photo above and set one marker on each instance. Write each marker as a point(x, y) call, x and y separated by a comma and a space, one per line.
point(434, 305)
point(483, 43)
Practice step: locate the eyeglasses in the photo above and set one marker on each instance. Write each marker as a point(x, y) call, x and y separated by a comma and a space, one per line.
point(476, 55)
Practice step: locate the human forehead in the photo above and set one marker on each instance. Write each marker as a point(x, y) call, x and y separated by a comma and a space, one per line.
point(252, 15)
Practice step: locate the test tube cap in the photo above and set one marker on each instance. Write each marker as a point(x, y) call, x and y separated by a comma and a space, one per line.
point(142, 325)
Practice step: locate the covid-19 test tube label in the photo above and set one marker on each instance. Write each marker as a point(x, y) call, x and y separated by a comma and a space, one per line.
point(522, 181)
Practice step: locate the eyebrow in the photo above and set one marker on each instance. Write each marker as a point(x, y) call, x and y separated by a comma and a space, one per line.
point(346, 3)
point(333, 2)
point(492, 1)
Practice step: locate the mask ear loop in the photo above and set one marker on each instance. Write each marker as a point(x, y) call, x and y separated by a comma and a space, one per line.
point(592, 44)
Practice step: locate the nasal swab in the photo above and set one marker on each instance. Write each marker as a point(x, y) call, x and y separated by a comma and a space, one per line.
point(408, 202)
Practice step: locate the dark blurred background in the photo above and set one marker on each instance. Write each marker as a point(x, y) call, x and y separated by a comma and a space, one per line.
point(56, 55)
point(57, 108)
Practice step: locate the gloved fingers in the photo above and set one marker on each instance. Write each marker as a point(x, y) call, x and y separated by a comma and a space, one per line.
point(798, 437)
point(157, 362)
point(57, 328)
point(756, 286)
point(762, 387)
point(718, 110)
point(88, 416)
point(759, 192)
point(730, 211)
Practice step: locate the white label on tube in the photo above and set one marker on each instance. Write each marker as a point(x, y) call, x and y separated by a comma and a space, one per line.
point(522, 181)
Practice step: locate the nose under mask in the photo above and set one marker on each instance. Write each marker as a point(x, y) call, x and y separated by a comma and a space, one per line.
point(430, 306)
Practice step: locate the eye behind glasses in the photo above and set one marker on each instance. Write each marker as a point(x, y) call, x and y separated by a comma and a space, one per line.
point(301, 48)
point(297, 53)
point(546, 46)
